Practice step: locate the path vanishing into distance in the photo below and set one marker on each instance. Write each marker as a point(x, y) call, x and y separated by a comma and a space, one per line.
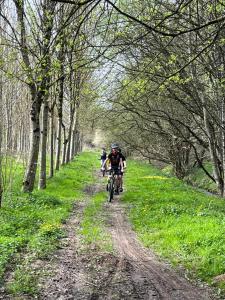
point(130, 271)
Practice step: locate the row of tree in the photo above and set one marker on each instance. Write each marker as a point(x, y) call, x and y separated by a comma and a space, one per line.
point(168, 102)
point(45, 80)
point(150, 73)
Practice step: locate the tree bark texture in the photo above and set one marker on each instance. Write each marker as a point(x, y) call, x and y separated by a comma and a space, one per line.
point(64, 145)
point(1, 183)
point(28, 183)
point(51, 171)
point(213, 151)
point(69, 139)
point(61, 59)
point(44, 133)
point(60, 122)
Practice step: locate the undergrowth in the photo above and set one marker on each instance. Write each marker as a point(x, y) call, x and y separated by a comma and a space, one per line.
point(196, 177)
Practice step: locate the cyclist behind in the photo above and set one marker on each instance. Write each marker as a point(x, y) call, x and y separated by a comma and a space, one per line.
point(124, 166)
point(116, 164)
point(103, 157)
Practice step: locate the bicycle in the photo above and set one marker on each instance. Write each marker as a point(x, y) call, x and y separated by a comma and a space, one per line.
point(111, 184)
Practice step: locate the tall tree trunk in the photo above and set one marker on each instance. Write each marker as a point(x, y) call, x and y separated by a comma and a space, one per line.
point(44, 133)
point(59, 132)
point(28, 183)
point(60, 110)
point(69, 139)
point(64, 145)
point(213, 151)
point(51, 173)
point(9, 143)
point(58, 139)
point(73, 151)
point(223, 140)
point(73, 144)
point(68, 151)
point(1, 183)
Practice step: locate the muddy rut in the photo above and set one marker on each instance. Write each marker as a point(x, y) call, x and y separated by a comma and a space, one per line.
point(161, 282)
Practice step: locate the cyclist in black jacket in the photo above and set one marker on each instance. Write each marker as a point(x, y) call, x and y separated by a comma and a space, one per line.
point(116, 164)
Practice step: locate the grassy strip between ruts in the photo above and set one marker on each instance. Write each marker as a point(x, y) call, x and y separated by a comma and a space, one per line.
point(93, 223)
point(33, 222)
point(183, 225)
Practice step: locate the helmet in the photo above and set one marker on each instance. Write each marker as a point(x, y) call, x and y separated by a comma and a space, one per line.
point(114, 146)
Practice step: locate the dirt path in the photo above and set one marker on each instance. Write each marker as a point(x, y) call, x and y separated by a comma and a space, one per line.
point(131, 272)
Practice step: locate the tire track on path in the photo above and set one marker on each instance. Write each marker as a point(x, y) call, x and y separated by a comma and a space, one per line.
point(165, 283)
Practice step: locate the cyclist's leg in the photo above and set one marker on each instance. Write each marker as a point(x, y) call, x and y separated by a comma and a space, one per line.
point(114, 170)
point(111, 188)
point(108, 180)
point(117, 183)
point(119, 179)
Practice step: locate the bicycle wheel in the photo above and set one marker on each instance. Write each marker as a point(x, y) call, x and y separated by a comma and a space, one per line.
point(111, 190)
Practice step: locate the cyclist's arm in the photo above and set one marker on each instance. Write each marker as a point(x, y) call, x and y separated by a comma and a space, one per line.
point(121, 163)
point(124, 164)
point(124, 161)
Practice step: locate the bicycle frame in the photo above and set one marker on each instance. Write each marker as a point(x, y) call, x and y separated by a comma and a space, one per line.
point(111, 185)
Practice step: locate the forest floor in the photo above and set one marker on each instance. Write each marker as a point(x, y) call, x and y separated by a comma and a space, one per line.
point(130, 271)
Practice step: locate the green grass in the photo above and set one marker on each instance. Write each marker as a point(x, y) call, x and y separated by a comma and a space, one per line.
point(183, 225)
point(93, 223)
point(32, 222)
